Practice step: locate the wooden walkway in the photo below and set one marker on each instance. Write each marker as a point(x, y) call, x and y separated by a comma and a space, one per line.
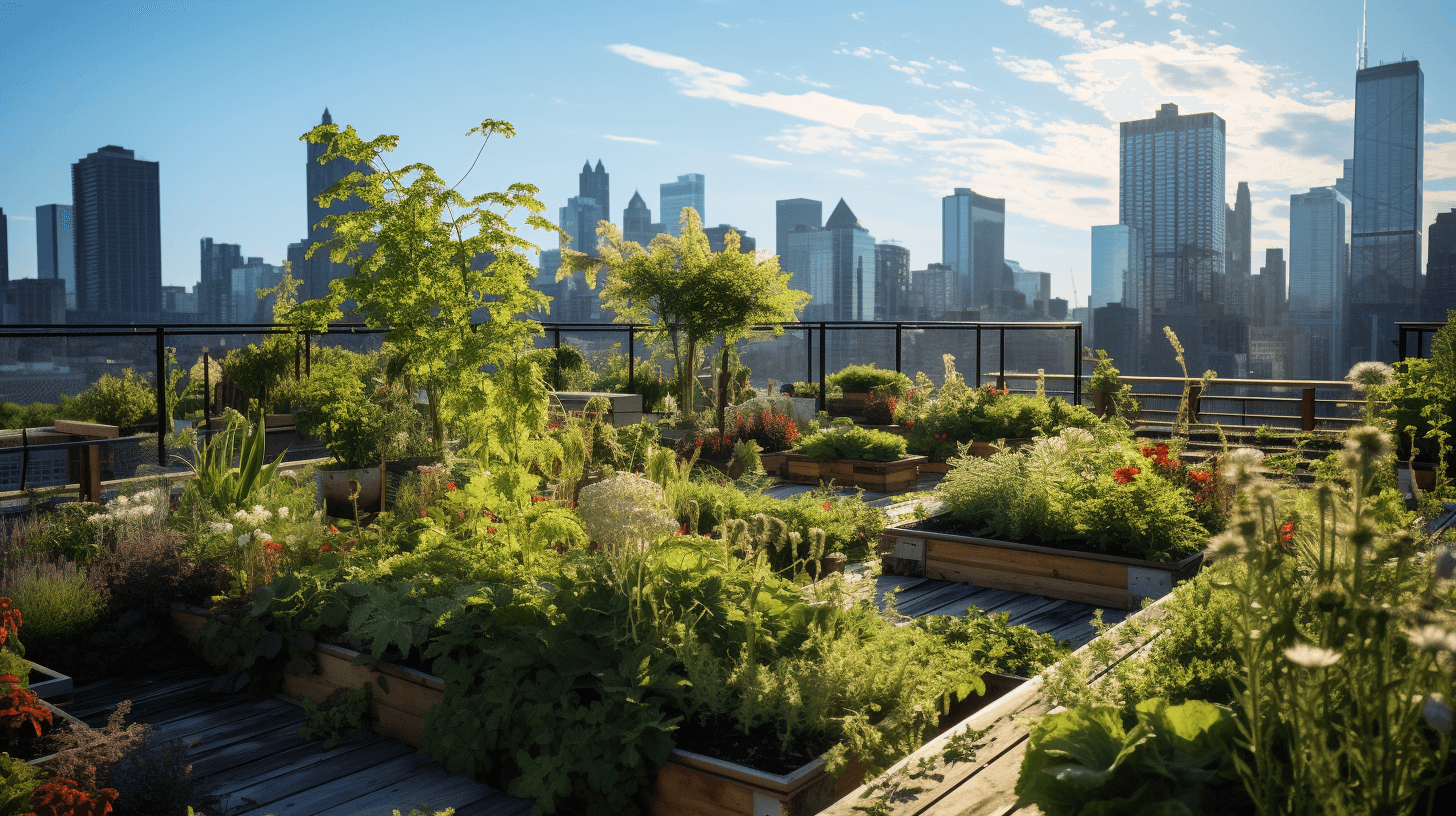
point(248, 755)
point(1064, 620)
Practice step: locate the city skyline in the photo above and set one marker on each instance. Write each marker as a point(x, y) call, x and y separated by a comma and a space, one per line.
point(1051, 154)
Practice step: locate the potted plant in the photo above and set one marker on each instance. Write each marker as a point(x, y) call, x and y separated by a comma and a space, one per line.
point(857, 382)
point(363, 423)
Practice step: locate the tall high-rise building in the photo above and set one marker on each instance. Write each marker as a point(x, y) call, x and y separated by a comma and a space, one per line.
point(973, 243)
point(1171, 188)
point(319, 177)
point(839, 267)
point(118, 224)
point(579, 218)
point(1345, 184)
point(244, 280)
point(718, 238)
point(215, 284)
point(596, 185)
point(1238, 246)
point(892, 281)
point(1439, 296)
point(4, 248)
point(1319, 246)
point(1272, 299)
point(794, 212)
point(637, 221)
point(1385, 251)
point(689, 190)
point(55, 247)
point(1118, 272)
point(932, 292)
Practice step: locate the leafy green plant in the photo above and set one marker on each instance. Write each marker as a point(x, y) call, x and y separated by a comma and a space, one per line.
point(362, 417)
point(57, 603)
point(223, 487)
point(34, 415)
point(1107, 378)
point(1004, 648)
point(1174, 759)
point(256, 641)
point(853, 443)
point(345, 712)
point(17, 779)
point(111, 400)
point(864, 379)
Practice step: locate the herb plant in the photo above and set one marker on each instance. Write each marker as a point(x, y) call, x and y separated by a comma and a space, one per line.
point(853, 443)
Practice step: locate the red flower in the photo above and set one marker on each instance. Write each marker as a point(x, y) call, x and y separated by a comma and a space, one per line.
point(424, 512)
point(449, 485)
point(1286, 532)
point(535, 499)
point(324, 548)
point(490, 529)
point(684, 529)
point(60, 797)
point(1200, 476)
point(462, 515)
point(826, 505)
point(350, 543)
point(333, 530)
point(910, 424)
point(272, 546)
point(1126, 474)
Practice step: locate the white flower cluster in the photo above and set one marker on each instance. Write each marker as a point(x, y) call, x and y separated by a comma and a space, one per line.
point(625, 510)
point(256, 517)
point(1078, 435)
point(221, 526)
point(1370, 374)
point(257, 535)
point(135, 508)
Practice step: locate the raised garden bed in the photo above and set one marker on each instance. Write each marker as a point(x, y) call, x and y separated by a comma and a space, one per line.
point(688, 783)
point(49, 684)
point(881, 477)
point(1113, 581)
point(773, 462)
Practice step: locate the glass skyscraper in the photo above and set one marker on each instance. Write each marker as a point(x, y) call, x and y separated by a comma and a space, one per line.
point(1385, 250)
point(118, 224)
point(973, 243)
point(1118, 272)
point(55, 246)
point(597, 185)
point(688, 191)
point(319, 177)
point(637, 221)
point(1319, 246)
point(838, 267)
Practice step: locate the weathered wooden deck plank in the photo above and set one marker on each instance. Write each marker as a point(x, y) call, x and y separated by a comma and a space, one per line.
point(299, 767)
point(301, 792)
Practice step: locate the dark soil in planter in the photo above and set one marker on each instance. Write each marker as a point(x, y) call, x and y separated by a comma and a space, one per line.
point(721, 738)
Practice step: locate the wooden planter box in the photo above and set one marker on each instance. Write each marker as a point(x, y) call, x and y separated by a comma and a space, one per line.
point(935, 467)
point(880, 477)
point(58, 718)
point(851, 404)
point(773, 462)
point(898, 430)
point(695, 784)
point(49, 684)
point(1111, 581)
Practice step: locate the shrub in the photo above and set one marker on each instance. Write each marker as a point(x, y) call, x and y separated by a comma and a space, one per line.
point(17, 779)
point(120, 401)
point(57, 602)
point(863, 379)
point(34, 415)
point(880, 409)
point(62, 533)
point(849, 524)
point(853, 443)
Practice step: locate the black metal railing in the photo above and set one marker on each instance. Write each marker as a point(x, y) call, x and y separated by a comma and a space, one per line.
point(1412, 338)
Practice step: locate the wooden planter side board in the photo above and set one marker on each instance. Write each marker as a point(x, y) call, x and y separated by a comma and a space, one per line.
point(1096, 578)
point(880, 477)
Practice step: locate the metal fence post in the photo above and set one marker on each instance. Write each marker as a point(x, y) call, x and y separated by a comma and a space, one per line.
point(162, 418)
point(631, 358)
point(297, 357)
point(1001, 368)
point(1306, 404)
point(978, 355)
point(1401, 344)
point(206, 388)
point(808, 355)
point(24, 456)
point(1077, 365)
point(823, 389)
point(307, 354)
point(897, 349)
point(556, 359)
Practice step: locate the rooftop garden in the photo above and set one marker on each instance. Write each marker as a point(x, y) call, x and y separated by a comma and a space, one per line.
point(596, 602)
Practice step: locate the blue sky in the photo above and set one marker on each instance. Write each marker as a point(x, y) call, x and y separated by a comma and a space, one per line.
point(889, 105)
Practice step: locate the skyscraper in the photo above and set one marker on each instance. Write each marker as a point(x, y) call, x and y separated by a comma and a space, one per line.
point(1118, 270)
point(118, 224)
point(319, 177)
point(579, 219)
point(4, 248)
point(1319, 242)
point(1171, 188)
point(1385, 251)
point(596, 185)
point(1272, 289)
point(214, 286)
point(839, 267)
point(973, 243)
point(637, 221)
point(1345, 184)
point(1238, 245)
point(892, 281)
point(55, 246)
point(688, 191)
point(794, 212)
point(1439, 296)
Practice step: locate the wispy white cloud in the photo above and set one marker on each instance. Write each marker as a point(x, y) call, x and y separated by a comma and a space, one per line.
point(1012, 2)
point(807, 81)
point(700, 81)
point(858, 15)
point(850, 171)
point(724, 25)
point(1443, 126)
point(921, 65)
point(1182, 18)
point(633, 139)
point(956, 83)
point(997, 50)
point(904, 69)
point(19, 217)
point(1033, 70)
point(758, 160)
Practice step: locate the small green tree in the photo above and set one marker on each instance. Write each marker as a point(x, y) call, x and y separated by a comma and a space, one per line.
point(413, 252)
point(691, 293)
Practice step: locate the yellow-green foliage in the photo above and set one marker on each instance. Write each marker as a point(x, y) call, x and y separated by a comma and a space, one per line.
point(56, 604)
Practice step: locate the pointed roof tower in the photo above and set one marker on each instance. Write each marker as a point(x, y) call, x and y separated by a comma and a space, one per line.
point(586, 166)
point(327, 120)
point(842, 217)
point(636, 201)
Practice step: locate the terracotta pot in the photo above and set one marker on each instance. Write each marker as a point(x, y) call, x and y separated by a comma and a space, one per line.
point(335, 487)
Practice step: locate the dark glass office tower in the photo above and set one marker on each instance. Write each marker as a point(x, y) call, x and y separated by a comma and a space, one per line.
point(214, 290)
point(1385, 252)
point(55, 246)
point(838, 263)
point(321, 177)
point(892, 281)
point(117, 206)
point(794, 212)
point(973, 243)
point(596, 185)
point(4, 249)
point(1440, 292)
point(637, 221)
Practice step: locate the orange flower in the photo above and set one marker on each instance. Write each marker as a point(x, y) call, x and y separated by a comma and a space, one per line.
point(449, 485)
point(1200, 476)
point(333, 530)
point(324, 548)
point(424, 512)
point(826, 505)
point(1286, 532)
point(1126, 474)
point(490, 529)
point(272, 546)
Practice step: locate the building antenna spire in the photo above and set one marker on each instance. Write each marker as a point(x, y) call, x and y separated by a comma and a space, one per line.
point(1362, 54)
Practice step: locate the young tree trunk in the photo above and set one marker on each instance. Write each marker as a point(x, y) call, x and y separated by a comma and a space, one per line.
point(723, 390)
point(687, 370)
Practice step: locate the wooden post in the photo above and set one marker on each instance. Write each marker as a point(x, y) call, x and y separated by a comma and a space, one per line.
point(90, 476)
point(1307, 410)
point(1195, 395)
